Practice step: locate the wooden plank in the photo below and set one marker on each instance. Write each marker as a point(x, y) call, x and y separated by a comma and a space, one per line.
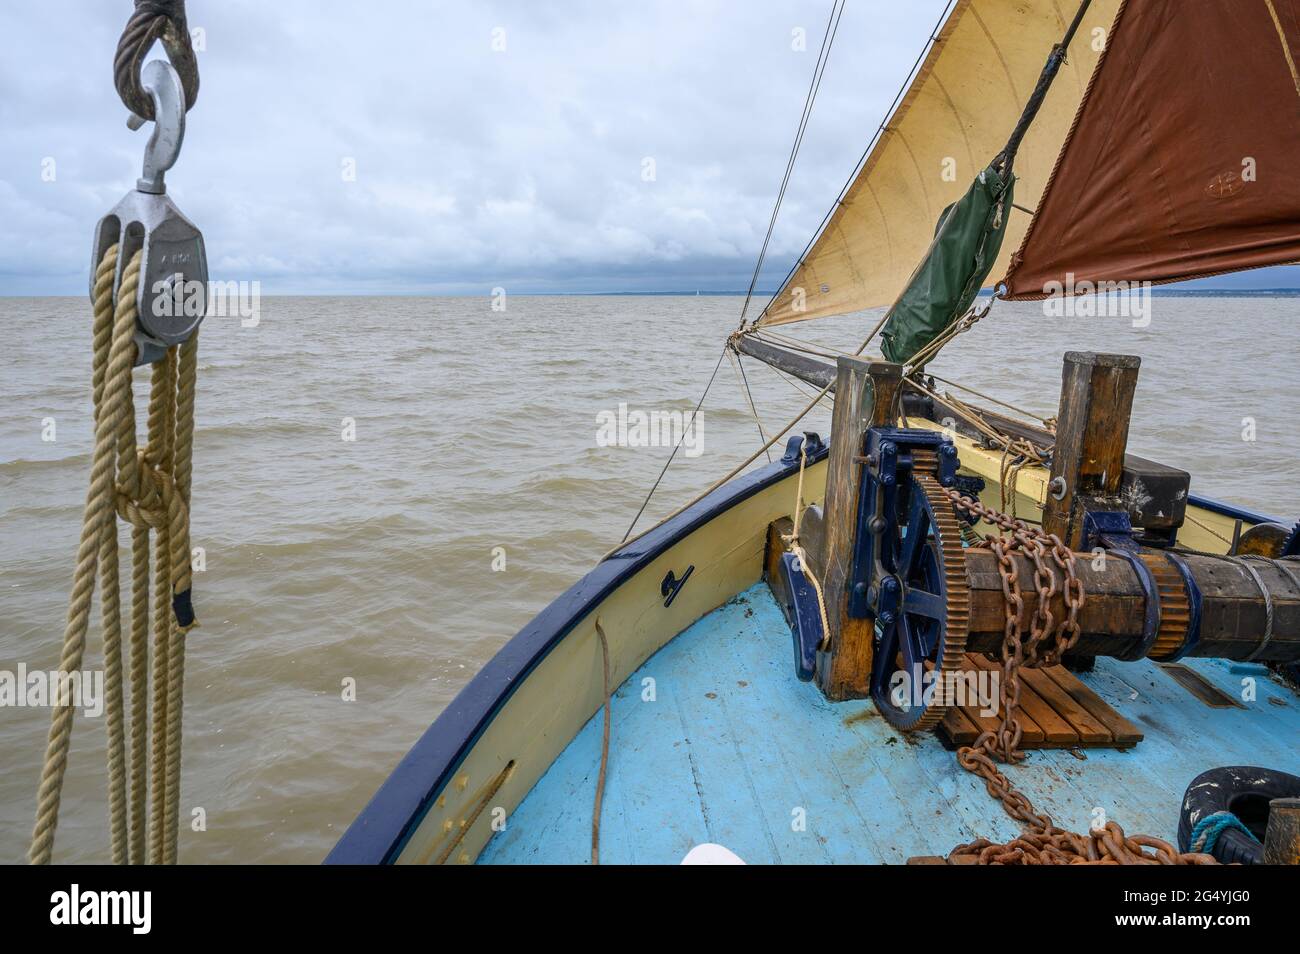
point(1031, 733)
point(1124, 733)
point(958, 729)
point(1057, 730)
point(1090, 731)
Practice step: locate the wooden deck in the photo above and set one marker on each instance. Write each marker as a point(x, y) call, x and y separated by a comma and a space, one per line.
point(714, 740)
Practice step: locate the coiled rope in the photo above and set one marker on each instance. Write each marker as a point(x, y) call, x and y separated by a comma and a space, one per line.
point(149, 488)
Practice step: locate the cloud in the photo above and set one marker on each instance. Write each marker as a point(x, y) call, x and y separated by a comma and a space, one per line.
point(476, 166)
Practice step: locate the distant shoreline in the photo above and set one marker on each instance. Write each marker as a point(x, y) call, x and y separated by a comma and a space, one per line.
point(1159, 291)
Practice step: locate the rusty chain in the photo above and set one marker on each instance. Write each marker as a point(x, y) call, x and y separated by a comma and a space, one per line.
point(1049, 639)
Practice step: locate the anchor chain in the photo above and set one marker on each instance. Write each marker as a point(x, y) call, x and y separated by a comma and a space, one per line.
point(1042, 842)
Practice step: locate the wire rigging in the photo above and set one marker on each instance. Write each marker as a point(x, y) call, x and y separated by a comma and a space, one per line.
point(823, 55)
point(907, 83)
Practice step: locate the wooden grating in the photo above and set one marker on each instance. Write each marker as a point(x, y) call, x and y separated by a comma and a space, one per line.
point(1057, 711)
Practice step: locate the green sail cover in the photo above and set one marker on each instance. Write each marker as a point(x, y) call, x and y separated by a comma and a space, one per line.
point(941, 290)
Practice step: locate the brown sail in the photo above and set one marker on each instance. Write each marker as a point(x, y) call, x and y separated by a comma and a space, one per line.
point(1184, 160)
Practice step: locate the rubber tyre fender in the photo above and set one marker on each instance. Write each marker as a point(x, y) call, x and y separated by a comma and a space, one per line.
point(1244, 790)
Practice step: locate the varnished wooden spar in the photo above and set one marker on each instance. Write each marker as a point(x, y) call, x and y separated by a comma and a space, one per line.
point(817, 373)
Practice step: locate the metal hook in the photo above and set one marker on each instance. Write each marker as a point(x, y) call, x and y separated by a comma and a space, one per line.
point(160, 79)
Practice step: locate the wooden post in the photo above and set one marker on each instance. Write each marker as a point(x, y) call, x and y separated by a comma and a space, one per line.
point(1282, 837)
point(1091, 435)
point(866, 394)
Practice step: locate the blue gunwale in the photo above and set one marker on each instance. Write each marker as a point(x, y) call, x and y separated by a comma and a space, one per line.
point(1231, 510)
point(379, 833)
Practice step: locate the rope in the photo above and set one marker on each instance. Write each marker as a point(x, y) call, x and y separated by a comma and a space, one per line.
point(1243, 562)
point(668, 463)
point(743, 381)
point(848, 183)
point(1207, 831)
point(991, 399)
point(776, 436)
point(797, 549)
point(604, 749)
point(149, 488)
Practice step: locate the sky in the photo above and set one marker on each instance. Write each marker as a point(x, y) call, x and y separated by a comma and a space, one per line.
point(535, 145)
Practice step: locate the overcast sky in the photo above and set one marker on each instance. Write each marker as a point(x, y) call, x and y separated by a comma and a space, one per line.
point(475, 166)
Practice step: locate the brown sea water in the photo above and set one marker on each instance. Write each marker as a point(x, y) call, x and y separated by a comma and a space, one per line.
point(475, 429)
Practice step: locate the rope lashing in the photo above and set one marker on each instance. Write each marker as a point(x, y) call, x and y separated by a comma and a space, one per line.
point(149, 488)
point(1205, 835)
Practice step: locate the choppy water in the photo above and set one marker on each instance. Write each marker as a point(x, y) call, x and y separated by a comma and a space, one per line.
point(475, 429)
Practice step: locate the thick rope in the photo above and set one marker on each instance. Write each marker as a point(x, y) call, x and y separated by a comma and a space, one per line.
point(1207, 831)
point(114, 354)
point(148, 487)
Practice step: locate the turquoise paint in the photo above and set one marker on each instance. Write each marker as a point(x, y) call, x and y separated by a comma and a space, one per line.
point(711, 759)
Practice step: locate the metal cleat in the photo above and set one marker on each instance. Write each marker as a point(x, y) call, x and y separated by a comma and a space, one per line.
point(173, 291)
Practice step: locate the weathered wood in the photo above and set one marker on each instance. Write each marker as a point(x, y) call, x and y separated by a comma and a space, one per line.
point(1089, 730)
point(777, 530)
point(1091, 437)
point(1112, 614)
point(812, 536)
point(817, 373)
point(1056, 730)
point(1282, 837)
point(1154, 494)
point(1124, 733)
point(865, 394)
point(1233, 610)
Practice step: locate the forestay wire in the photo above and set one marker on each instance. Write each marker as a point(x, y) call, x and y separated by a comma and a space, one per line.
point(828, 39)
point(902, 90)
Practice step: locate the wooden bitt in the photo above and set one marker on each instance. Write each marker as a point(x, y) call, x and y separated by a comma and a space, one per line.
point(1091, 436)
point(866, 394)
point(1282, 837)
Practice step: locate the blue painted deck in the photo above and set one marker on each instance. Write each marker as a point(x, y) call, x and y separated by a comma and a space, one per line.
point(734, 750)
